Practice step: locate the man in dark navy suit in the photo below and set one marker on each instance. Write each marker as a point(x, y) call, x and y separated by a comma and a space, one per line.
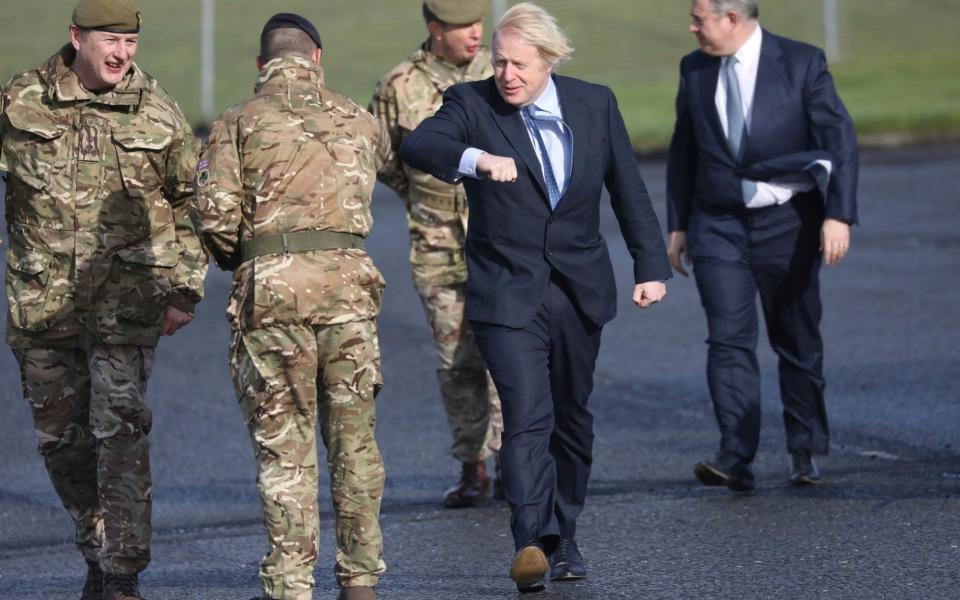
point(534, 151)
point(761, 186)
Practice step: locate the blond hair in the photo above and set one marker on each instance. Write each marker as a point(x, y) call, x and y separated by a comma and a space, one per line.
point(538, 28)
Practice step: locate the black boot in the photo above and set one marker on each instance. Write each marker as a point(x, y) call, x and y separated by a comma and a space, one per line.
point(93, 586)
point(121, 587)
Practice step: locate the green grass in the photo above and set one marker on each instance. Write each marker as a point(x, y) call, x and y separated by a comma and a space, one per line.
point(897, 71)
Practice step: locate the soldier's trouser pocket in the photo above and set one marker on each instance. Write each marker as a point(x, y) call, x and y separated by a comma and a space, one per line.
point(133, 301)
point(36, 298)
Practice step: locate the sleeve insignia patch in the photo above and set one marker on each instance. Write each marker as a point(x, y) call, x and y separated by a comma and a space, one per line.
point(203, 173)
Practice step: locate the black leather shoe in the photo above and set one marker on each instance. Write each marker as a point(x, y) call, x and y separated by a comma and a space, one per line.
point(726, 469)
point(803, 471)
point(529, 568)
point(566, 564)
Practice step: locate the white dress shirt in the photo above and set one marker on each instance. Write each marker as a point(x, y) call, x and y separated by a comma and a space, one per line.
point(554, 133)
point(781, 189)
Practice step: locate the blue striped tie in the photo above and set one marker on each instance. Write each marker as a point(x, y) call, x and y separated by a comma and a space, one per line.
point(553, 190)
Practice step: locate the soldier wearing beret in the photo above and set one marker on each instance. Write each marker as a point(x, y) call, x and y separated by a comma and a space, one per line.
point(101, 261)
point(437, 219)
point(283, 200)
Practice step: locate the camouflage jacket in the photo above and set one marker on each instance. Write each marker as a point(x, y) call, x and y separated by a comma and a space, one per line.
point(100, 238)
point(407, 95)
point(296, 156)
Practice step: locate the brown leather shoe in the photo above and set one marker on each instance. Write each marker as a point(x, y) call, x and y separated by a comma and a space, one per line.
point(93, 586)
point(121, 587)
point(357, 593)
point(471, 490)
point(529, 568)
point(498, 481)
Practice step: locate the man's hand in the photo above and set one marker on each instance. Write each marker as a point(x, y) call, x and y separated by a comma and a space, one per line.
point(649, 293)
point(834, 240)
point(497, 168)
point(677, 251)
point(174, 319)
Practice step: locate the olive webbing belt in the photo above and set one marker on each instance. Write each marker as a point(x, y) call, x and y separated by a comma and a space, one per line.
point(299, 241)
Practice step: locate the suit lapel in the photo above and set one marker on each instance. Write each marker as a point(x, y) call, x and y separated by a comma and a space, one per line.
point(771, 81)
point(708, 96)
point(508, 119)
point(574, 115)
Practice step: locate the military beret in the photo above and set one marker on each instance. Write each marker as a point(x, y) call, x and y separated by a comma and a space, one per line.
point(292, 21)
point(117, 16)
point(458, 12)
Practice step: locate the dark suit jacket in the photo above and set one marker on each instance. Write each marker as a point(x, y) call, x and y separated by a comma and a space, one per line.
point(796, 110)
point(514, 239)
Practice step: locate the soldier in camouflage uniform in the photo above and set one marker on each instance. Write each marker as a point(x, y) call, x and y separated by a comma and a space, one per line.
point(437, 218)
point(101, 260)
point(283, 200)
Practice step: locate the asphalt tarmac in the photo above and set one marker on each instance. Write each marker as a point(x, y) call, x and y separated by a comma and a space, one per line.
point(885, 524)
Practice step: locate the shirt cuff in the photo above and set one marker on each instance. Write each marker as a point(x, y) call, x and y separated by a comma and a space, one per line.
point(468, 163)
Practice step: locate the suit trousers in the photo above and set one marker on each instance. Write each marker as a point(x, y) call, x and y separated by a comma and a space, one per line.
point(544, 374)
point(782, 264)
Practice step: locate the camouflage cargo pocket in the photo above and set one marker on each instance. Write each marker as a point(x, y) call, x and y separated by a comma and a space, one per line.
point(437, 267)
point(30, 145)
point(140, 286)
point(36, 298)
point(140, 207)
point(140, 154)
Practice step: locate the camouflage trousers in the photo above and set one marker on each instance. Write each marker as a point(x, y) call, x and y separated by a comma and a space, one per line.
point(469, 396)
point(288, 378)
point(92, 422)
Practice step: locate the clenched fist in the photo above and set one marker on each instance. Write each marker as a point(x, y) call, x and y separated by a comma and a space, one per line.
point(497, 168)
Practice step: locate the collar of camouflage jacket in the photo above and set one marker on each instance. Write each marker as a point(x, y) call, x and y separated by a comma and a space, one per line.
point(63, 85)
point(443, 73)
point(289, 68)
